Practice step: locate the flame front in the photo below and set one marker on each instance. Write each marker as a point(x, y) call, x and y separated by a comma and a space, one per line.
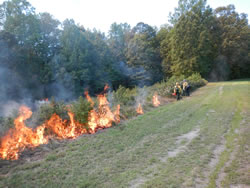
point(103, 116)
point(21, 136)
point(139, 109)
point(155, 100)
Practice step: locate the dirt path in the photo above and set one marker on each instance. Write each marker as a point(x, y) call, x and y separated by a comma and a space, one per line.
point(188, 137)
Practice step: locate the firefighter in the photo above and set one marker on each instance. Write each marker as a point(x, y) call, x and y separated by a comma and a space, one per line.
point(185, 87)
point(177, 91)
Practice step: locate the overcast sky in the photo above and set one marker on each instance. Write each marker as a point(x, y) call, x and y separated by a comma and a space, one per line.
point(100, 14)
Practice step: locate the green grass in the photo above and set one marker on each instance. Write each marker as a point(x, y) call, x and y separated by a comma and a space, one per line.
point(136, 151)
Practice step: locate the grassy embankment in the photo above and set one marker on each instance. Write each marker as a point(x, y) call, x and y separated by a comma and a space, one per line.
point(201, 141)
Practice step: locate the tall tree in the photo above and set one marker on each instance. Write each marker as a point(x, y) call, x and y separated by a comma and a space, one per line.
point(190, 44)
point(144, 51)
point(83, 60)
point(184, 6)
point(163, 36)
point(29, 62)
point(118, 38)
point(233, 31)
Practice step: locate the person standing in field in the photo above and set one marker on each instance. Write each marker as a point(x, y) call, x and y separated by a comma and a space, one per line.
point(177, 91)
point(185, 87)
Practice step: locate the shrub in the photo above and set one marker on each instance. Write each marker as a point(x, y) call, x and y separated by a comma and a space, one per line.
point(46, 110)
point(125, 96)
point(163, 89)
point(166, 88)
point(172, 81)
point(127, 111)
point(81, 109)
point(195, 81)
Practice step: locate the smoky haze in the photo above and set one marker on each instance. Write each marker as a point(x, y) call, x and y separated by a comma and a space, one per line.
point(16, 90)
point(221, 70)
point(139, 75)
point(12, 94)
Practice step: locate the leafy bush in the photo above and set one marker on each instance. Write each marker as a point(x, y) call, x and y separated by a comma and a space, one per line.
point(127, 111)
point(172, 81)
point(46, 110)
point(195, 81)
point(166, 88)
point(125, 96)
point(128, 98)
point(81, 109)
point(162, 89)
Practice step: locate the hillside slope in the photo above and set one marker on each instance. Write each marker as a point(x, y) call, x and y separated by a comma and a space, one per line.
point(201, 141)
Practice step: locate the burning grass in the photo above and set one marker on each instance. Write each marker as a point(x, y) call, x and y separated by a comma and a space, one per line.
point(155, 100)
point(21, 136)
point(81, 117)
point(139, 109)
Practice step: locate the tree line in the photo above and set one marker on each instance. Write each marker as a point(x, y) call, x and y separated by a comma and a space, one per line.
point(42, 57)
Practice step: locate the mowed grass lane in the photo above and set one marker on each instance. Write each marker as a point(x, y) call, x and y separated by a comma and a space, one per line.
point(201, 141)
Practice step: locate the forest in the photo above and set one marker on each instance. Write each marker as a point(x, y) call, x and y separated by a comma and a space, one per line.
point(41, 57)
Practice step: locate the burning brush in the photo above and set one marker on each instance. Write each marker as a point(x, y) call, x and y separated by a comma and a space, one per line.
point(139, 109)
point(21, 136)
point(155, 100)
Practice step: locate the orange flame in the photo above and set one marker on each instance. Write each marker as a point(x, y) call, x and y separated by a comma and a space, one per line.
point(106, 87)
point(104, 117)
point(155, 100)
point(139, 109)
point(65, 129)
point(21, 137)
point(86, 93)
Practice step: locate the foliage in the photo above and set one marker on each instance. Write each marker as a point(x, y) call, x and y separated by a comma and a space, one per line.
point(119, 35)
point(129, 98)
point(195, 81)
point(233, 40)
point(166, 88)
point(184, 6)
point(189, 45)
point(125, 96)
point(46, 110)
point(81, 109)
point(30, 42)
point(143, 51)
point(5, 124)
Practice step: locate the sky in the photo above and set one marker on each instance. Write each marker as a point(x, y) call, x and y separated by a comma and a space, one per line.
point(100, 14)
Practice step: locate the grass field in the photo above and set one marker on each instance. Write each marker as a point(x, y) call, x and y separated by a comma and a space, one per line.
point(200, 141)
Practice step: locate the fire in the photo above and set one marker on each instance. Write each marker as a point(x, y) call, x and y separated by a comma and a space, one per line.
point(103, 116)
point(64, 129)
point(86, 93)
point(21, 137)
point(155, 100)
point(106, 87)
point(139, 109)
